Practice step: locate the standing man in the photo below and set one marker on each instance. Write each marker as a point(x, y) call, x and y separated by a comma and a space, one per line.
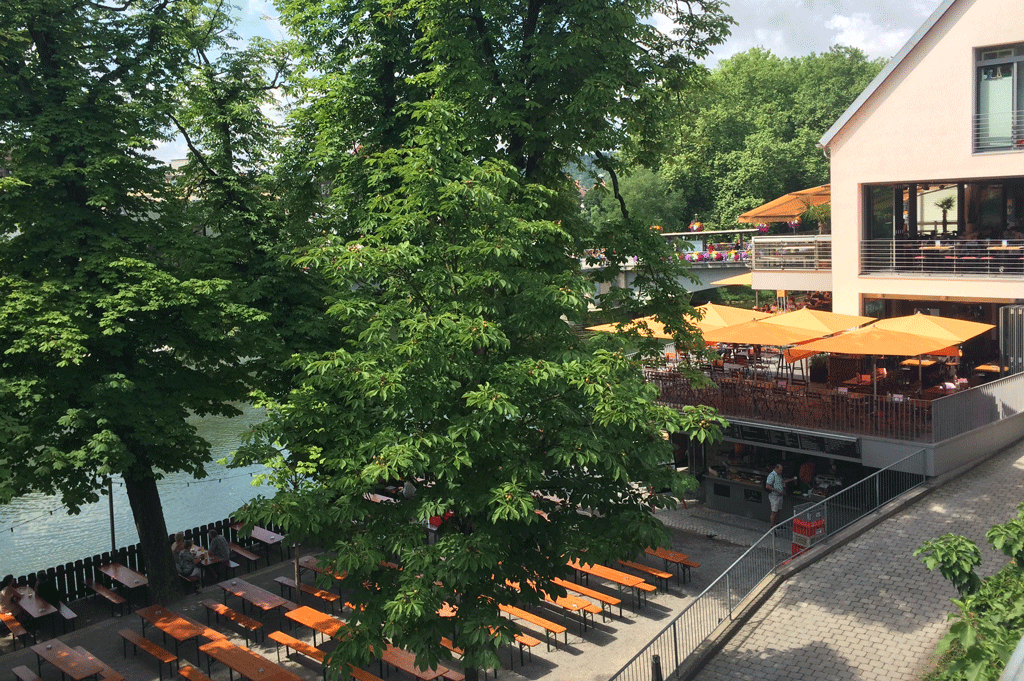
point(776, 486)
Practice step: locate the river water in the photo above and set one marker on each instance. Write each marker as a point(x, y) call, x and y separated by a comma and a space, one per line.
point(36, 533)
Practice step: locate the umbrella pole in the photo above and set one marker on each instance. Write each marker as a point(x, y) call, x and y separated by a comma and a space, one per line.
point(874, 376)
point(920, 380)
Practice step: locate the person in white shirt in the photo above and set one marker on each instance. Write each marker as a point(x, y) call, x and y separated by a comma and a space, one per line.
point(776, 486)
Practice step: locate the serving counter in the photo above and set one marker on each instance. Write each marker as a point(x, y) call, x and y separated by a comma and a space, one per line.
point(744, 494)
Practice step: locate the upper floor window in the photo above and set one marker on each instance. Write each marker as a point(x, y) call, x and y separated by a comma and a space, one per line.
point(999, 118)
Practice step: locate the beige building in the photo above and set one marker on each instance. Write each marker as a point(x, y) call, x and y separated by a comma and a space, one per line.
point(927, 208)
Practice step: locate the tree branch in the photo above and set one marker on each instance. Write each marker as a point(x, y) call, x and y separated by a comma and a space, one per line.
point(606, 165)
point(192, 147)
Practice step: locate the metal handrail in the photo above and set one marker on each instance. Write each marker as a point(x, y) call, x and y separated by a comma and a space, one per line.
point(719, 602)
point(792, 253)
point(944, 255)
point(999, 131)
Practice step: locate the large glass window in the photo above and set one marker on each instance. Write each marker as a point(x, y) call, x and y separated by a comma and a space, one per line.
point(999, 119)
point(880, 212)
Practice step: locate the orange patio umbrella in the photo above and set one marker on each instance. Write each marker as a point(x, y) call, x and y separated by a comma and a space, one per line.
point(712, 317)
point(872, 340)
point(790, 328)
point(953, 331)
point(789, 206)
point(746, 279)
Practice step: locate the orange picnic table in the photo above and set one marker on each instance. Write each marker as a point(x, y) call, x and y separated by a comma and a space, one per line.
point(681, 560)
point(620, 579)
point(248, 664)
point(250, 593)
point(69, 661)
point(328, 625)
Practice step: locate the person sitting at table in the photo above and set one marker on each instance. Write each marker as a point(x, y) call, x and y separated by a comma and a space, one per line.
point(46, 589)
point(179, 543)
point(186, 563)
point(220, 550)
point(9, 598)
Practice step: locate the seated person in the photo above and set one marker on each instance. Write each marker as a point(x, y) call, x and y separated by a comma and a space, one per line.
point(46, 589)
point(9, 598)
point(186, 563)
point(179, 543)
point(220, 550)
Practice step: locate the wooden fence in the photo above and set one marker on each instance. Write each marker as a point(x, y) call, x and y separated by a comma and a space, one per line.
point(71, 577)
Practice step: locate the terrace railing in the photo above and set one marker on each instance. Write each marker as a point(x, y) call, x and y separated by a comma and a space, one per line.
point(792, 253)
point(944, 257)
point(724, 598)
point(891, 416)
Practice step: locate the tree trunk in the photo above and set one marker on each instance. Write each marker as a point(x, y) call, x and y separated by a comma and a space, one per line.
point(164, 585)
point(471, 674)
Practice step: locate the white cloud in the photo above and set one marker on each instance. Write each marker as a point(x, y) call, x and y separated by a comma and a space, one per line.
point(791, 28)
point(260, 18)
point(860, 30)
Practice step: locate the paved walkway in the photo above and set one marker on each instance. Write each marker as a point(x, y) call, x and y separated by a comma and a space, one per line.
point(871, 610)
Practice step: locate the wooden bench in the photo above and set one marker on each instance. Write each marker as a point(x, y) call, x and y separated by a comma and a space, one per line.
point(192, 674)
point(657, 573)
point(670, 556)
point(447, 643)
point(195, 581)
point(292, 643)
point(687, 564)
point(68, 615)
point(327, 596)
point(243, 552)
point(548, 626)
point(247, 623)
point(456, 676)
point(106, 673)
point(138, 641)
point(359, 675)
point(14, 626)
point(644, 588)
point(526, 642)
point(601, 598)
point(112, 596)
point(23, 673)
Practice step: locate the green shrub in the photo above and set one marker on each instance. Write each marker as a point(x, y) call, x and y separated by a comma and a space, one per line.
point(989, 619)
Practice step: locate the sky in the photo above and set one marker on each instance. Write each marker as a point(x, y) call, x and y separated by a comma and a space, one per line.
point(788, 28)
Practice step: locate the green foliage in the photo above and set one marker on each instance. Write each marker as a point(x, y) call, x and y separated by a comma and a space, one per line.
point(989, 620)
point(436, 136)
point(1009, 538)
point(749, 130)
point(651, 201)
point(118, 319)
point(989, 624)
point(956, 557)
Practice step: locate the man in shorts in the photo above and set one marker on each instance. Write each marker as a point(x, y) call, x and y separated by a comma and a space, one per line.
point(776, 486)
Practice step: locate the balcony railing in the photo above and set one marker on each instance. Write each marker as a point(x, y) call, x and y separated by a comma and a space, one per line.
point(792, 253)
point(814, 408)
point(982, 258)
point(897, 417)
point(1002, 131)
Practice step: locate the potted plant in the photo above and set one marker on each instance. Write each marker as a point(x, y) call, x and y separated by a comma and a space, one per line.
point(945, 205)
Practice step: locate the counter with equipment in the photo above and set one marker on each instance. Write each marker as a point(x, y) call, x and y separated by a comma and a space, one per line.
point(741, 491)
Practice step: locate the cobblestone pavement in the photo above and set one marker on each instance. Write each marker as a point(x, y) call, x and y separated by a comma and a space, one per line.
point(871, 610)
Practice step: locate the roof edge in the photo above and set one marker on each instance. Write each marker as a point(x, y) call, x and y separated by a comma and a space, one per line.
point(863, 97)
